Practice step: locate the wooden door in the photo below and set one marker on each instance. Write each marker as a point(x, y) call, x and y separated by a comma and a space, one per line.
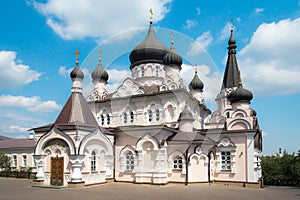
point(57, 171)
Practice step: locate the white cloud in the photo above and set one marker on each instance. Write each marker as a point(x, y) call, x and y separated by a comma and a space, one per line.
point(16, 129)
point(198, 10)
point(225, 32)
point(76, 19)
point(258, 10)
point(269, 63)
point(14, 74)
point(190, 23)
point(33, 104)
point(63, 71)
point(201, 43)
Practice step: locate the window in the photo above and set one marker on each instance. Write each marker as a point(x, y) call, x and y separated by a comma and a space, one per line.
point(150, 115)
point(93, 162)
point(129, 160)
point(143, 71)
point(102, 120)
point(108, 119)
point(14, 161)
point(33, 161)
point(157, 114)
point(177, 162)
point(131, 117)
point(125, 117)
point(24, 160)
point(226, 161)
point(156, 71)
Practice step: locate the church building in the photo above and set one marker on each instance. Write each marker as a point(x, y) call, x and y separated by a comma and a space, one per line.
point(152, 129)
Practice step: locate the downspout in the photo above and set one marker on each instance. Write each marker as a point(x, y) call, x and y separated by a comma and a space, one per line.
point(186, 164)
point(209, 153)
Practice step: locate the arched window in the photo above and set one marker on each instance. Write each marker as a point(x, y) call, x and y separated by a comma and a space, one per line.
point(142, 71)
point(131, 117)
point(156, 71)
point(93, 162)
point(125, 117)
point(102, 119)
point(157, 114)
point(129, 160)
point(108, 119)
point(150, 115)
point(226, 160)
point(177, 162)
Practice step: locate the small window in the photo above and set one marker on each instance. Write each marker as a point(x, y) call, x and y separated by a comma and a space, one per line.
point(131, 117)
point(157, 115)
point(93, 162)
point(156, 71)
point(24, 161)
point(102, 119)
point(125, 117)
point(150, 115)
point(177, 162)
point(14, 161)
point(226, 160)
point(129, 160)
point(143, 71)
point(108, 119)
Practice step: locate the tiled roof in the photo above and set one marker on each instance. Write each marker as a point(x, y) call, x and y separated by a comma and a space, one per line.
point(9, 143)
point(76, 112)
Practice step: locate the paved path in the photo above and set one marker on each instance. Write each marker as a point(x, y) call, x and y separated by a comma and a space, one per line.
point(20, 189)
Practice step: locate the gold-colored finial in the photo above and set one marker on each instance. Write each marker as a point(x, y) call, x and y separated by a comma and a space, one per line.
point(100, 55)
point(172, 34)
point(151, 15)
point(77, 52)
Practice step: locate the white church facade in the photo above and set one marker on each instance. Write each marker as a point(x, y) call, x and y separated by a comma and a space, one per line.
point(152, 129)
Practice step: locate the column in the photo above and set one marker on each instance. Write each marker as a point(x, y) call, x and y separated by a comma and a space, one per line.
point(39, 159)
point(76, 161)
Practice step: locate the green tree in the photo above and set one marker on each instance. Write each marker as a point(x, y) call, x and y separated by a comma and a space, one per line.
point(4, 161)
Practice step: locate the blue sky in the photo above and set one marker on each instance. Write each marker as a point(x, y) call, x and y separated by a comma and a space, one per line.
point(38, 40)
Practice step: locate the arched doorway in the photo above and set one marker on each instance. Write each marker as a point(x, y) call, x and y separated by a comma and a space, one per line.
point(57, 171)
point(55, 150)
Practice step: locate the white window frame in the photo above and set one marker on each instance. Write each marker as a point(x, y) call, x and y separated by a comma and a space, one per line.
point(177, 162)
point(24, 160)
point(93, 161)
point(219, 168)
point(129, 160)
point(14, 160)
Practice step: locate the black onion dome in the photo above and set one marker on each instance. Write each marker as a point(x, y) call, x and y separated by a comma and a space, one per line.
point(186, 115)
point(240, 94)
point(149, 50)
point(100, 73)
point(196, 83)
point(76, 73)
point(172, 57)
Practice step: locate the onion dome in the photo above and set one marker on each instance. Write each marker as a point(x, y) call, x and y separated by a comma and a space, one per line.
point(76, 72)
point(186, 115)
point(172, 57)
point(240, 94)
point(100, 73)
point(196, 83)
point(149, 50)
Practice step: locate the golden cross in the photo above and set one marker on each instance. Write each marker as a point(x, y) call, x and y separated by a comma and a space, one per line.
point(77, 52)
point(100, 54)
point(172, 34)
point(151, 14)
point(231, 25)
